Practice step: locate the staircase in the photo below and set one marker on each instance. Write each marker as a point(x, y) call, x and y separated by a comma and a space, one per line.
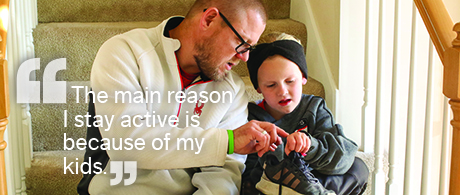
point(75, 29)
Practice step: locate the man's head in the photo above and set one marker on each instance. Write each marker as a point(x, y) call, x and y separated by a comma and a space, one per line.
point(227, 29)
point(278, 70)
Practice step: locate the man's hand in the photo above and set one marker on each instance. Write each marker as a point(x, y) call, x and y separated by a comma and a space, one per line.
point(257, 136)
point(299, 142)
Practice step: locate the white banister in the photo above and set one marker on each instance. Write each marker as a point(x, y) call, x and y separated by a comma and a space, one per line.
point(15, 145)
point(392, 186)
point(370, 51)
point(428, 138)
point(29, 24)
point(23, 19)
point(368, 144)
point(379, 175)
point(411, 108)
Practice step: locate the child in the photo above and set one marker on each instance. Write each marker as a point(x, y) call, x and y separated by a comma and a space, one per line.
point(278, 70)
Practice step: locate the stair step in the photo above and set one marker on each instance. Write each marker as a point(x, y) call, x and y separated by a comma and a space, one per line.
point(46, 174)
point(78, 43)
point(136, 10)
point(48, 121)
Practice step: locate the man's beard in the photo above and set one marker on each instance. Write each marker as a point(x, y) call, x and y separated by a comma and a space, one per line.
point(206, 64)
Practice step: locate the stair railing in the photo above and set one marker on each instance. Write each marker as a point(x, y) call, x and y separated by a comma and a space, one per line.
point(442, 32)
point(4, 95)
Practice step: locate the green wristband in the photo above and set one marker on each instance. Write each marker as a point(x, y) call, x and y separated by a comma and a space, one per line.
point(231, 144)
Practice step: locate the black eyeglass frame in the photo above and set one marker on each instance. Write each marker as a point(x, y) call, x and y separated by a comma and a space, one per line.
point(247, 46)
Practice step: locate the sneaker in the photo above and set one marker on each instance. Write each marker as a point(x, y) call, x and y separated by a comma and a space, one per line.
point(290, 176)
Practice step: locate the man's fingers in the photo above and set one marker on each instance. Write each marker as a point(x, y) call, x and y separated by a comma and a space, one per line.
point(273, 134)
point(273, 147)
point(265, 136)
point(281, 132)
point(259, 147)
point(273, 131)
point(269, 127)
point(261, 150)
point(278, 140)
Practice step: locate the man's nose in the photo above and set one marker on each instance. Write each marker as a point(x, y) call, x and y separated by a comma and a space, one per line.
point(244, 56)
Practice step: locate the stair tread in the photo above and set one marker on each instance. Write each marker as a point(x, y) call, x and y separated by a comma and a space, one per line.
point(46, 173)
point(121, 10)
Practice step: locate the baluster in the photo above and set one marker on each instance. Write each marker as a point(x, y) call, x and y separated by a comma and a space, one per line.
point(456, 42)
point(451, 90)
point(4, 96)
point(392, 186)
point(379, 175)
point(455, 171)
point(4, 112)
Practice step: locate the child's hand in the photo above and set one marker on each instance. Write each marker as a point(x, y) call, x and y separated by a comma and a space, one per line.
point(299, 142)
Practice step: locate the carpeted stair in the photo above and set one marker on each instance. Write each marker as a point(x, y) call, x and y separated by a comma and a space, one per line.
point(75, 29)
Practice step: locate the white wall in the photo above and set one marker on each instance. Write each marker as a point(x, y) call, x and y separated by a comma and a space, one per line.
point(317, 59)
point(453, 7)
point(328, 13)
point(351, 69)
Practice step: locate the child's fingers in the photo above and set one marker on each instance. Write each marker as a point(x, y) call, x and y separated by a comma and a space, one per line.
point(300, 143)
point(307, 145)
point(291, 143)
point(286, 150)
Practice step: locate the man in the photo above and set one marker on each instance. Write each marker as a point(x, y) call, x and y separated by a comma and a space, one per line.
point(187, 55)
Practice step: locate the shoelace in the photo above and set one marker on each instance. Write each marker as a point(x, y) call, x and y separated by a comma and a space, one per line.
point(304, 168)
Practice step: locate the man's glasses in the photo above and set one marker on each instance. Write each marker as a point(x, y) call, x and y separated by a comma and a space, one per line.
point(244, 46)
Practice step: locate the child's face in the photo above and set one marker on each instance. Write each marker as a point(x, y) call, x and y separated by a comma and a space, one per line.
point(280, 82)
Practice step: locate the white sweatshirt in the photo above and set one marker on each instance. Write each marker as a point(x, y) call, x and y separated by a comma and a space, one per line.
point(143, 61)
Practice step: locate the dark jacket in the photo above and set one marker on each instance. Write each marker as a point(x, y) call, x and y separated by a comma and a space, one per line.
point(330, 153)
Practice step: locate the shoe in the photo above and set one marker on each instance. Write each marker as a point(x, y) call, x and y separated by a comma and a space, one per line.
point(290, 176)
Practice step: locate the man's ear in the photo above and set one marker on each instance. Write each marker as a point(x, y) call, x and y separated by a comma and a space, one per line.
point(208, 17)
point(258, 90)
point(304, 81)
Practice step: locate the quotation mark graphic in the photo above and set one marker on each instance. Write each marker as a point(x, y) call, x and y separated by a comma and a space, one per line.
point(130, 167)
point(29, 91)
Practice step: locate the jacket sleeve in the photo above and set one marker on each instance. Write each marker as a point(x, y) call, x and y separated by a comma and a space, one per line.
point(330, 152)
point(237, 113)
point(233, 167)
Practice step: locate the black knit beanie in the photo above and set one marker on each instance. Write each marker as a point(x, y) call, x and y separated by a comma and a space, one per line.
point(289, 49)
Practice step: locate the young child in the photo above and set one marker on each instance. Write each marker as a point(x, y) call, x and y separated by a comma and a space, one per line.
point(278, 70)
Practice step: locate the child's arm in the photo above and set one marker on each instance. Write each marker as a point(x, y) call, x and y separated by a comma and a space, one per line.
point(330, 152)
